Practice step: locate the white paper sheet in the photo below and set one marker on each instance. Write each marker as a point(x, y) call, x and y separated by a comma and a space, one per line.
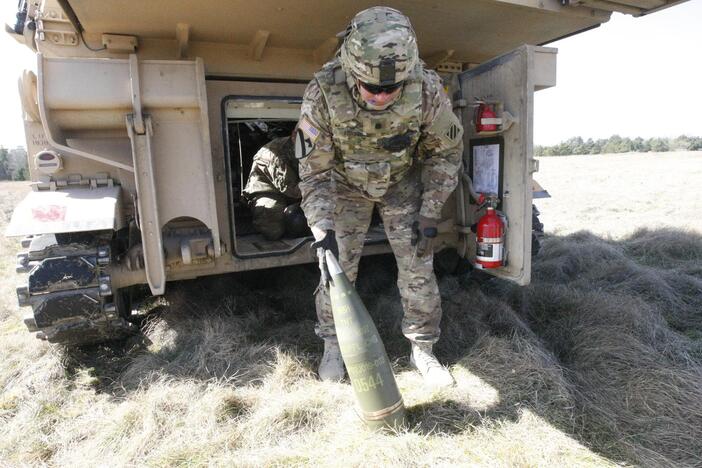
point(486, 168)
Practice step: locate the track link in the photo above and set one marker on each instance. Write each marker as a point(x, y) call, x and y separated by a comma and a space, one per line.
point(70, 292)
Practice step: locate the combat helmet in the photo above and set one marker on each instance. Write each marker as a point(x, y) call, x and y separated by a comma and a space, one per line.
point(380, 47)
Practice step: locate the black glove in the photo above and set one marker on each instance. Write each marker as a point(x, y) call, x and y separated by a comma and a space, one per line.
point(328, 242)
point(424, 231)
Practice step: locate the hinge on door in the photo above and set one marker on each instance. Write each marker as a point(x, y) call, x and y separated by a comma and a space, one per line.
point(533, 165)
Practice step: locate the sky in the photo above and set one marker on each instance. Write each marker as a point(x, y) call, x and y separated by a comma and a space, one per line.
point(631, 77)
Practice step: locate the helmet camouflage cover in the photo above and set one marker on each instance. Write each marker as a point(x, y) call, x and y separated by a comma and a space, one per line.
point(380, 46)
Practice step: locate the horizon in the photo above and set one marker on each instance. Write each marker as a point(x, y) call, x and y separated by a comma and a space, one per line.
point(565, 140)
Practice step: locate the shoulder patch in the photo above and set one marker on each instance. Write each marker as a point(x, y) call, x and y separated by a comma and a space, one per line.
point(447, 128)
point(305, 137)
point(308, 129)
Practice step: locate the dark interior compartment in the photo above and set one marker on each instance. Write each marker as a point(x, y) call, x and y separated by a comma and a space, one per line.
point(245, 137)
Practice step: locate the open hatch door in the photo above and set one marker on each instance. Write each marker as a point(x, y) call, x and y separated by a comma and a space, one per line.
point(499, 158)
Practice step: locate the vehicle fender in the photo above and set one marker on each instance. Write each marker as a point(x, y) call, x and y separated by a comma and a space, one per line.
point(67, 210)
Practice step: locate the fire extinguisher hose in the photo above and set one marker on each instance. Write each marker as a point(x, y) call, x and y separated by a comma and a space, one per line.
point(473, 194)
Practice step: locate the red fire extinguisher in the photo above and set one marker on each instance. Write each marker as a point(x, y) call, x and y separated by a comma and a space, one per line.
point(485, 118)
point(490, 235)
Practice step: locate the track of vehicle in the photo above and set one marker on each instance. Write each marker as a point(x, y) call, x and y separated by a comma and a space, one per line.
point(69, 290)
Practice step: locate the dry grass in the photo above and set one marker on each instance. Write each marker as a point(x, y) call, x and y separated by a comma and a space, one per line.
point(597, 363)
point(614, 194)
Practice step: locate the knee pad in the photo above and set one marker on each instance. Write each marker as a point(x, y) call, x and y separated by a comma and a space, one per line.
point(295, 221)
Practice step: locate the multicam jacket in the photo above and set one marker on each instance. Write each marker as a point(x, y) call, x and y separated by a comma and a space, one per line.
point(274, 171)
point(370, 150)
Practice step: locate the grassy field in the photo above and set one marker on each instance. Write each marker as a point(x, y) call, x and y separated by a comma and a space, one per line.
point(612, 195)
point(597, 363)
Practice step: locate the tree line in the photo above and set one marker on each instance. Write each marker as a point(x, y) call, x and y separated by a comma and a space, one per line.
point(13, 164)
point(618, 144)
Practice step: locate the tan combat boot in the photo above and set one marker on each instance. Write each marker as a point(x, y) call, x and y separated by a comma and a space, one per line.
point(331, 368)
point(431, 369)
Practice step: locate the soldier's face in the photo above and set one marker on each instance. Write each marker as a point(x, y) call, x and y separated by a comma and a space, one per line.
point(379, 100)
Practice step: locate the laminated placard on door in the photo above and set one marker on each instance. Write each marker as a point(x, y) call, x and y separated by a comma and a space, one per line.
point(486, 165)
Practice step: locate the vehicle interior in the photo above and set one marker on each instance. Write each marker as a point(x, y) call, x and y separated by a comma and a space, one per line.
point(250, 124)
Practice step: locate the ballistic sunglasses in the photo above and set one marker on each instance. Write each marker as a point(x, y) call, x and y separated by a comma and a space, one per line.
point(377, 89)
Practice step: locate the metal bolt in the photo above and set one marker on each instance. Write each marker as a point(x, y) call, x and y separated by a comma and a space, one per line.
point(104, 287)
point(103, 255)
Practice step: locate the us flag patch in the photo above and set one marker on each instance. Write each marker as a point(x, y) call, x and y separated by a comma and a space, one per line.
point(308, 129)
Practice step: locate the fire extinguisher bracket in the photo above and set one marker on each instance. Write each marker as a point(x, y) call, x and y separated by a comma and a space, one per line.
point(491, 119)
point(504, 124)
point(490, 239)
point(507, 121)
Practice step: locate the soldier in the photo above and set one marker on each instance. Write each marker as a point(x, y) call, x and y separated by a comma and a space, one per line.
point(272, 186)
point(377, 129)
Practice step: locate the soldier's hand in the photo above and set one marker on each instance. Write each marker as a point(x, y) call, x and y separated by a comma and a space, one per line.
point(424, 231)
point(324, 240)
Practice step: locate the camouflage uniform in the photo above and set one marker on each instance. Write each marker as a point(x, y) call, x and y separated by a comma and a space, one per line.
point(272, 185)
point(404, 159)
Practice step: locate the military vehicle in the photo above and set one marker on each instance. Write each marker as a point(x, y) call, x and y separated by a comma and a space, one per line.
point(143, 117)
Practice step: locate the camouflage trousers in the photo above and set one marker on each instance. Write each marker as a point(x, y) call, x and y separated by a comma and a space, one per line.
point(398, 208)
point(268, 217)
